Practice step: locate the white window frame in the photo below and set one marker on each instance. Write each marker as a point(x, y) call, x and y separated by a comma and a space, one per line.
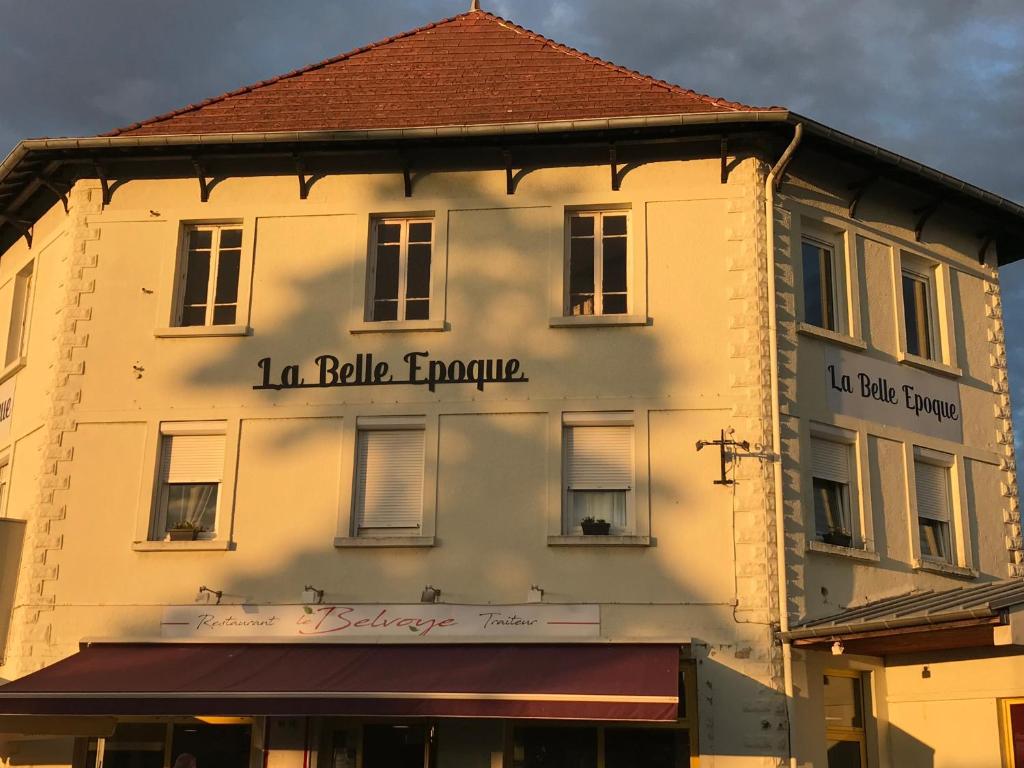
point(851, 489)
point(857, 735)
point(571, 420)
point(403, 266)
point(216, 229)
point(348, 533)
point(836, 235)
point(181, 429)
point(147, 517)
point(861, 521)
point(960, 543)
point(837, 281)
point(937, 276)
point(20, 325)
point(598, 214)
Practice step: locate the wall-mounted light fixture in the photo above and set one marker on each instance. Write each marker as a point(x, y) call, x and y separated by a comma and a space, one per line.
point(311, 594)
point(838, 648)
point(215, 592)
point(535, 595)
point(430, 594)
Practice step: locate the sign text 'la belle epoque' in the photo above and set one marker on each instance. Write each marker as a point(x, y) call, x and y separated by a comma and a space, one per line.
point(363, 371)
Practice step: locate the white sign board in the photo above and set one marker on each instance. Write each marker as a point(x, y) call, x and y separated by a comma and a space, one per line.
point(898, 395)
point(6, 409)
point(418, 622)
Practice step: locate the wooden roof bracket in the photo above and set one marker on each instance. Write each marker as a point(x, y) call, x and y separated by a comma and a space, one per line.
point(723, 150)
point(61, 193)
point(406, 173)
point(24, 227)
point(105, 186)
point(306, 180)
point(985, 243)
point(859, 188)
point(613, 161)
point(205, 180)
point(925, 213)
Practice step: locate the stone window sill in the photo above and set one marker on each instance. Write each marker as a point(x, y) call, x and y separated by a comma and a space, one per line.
point(384, 541)
point(589, 321)
point(199, 545)
point(12, 368)
point(945, 569)
point(853, 553)
point(191, 331)
point(599, 541)
point(851, 342)
point(396, 326)
point(933, 366)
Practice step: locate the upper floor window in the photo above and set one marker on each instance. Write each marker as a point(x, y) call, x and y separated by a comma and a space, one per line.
point(399, 275)
point(389, 481)
point(599, 473)
point(208, 275)
point(919, 318)
point(932, 482)
point(832, 488)
point(191, 473)
point(597, 266)
point(821, 279)
point(21, 305)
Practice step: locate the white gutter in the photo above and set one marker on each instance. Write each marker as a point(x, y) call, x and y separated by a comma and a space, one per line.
point(770, 186)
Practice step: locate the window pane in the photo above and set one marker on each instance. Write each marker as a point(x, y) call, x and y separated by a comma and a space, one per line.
point(193, 315)
point(417, 309)
point(197, 278)
point(230, 238)
point(555, 748)
point(844, 754)
point(227, 277)
point(916, 315)
point(614, 274)
point(387, 272)
point(223, 746)
point(395, 746)
point(614, 224)
point(224, 314)
point(133, 745)
point(819, 301)
point(646, 748)
point(389, 233)
point(385, 309)
point(194, 503)
point(419, 232)
point(614, 304)
point(934, 538)
point(581, 266)
point(581, 226)
point(830, 507)
point(842, 702)
point(200, 238)
point(609, 506)
point(417, 284)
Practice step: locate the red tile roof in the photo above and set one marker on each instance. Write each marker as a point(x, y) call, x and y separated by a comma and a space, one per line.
point(471, 69)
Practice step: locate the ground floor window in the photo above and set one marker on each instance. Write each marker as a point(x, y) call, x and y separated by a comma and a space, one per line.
point(611, 746)
point(160, 744)
point(844, 719)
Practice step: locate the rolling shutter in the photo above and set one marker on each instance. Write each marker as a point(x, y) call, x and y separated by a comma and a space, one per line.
point(192, 458)
point(932, 482)
point(389, 492)
point(599, 457)
point(830, 460)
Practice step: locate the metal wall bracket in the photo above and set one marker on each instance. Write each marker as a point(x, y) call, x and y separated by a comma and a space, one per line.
point(859, 189)
point(23, 226)
point(205, 181)
point(723, 150)
point(723, 443)
point(613, 161)
point(925, 213)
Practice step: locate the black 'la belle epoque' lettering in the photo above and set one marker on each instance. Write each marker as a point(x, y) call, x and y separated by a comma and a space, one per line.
point(363, 371)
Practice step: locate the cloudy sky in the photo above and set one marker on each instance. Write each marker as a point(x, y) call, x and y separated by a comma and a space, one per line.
point(941, 81)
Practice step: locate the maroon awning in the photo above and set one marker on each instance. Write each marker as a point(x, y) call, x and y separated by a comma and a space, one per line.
point(564, 682)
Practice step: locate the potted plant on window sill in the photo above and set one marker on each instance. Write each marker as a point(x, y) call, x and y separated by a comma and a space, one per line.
point(184, 530)
point(837, 537)
point(594, 527)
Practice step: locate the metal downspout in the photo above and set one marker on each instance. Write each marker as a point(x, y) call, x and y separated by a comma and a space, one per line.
point(771, 185)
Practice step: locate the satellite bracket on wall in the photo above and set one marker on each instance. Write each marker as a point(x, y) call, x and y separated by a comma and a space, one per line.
point(723, 444)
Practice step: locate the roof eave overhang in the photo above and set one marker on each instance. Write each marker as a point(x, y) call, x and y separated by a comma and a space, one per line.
point(840, 631)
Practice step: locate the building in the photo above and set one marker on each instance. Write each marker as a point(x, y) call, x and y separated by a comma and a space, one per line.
point(466, 400)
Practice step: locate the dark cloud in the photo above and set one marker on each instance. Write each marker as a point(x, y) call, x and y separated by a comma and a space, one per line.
point(941, 81)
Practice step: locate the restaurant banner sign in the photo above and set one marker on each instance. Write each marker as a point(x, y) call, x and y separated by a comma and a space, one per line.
point(888, 393)
point(418, 622)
